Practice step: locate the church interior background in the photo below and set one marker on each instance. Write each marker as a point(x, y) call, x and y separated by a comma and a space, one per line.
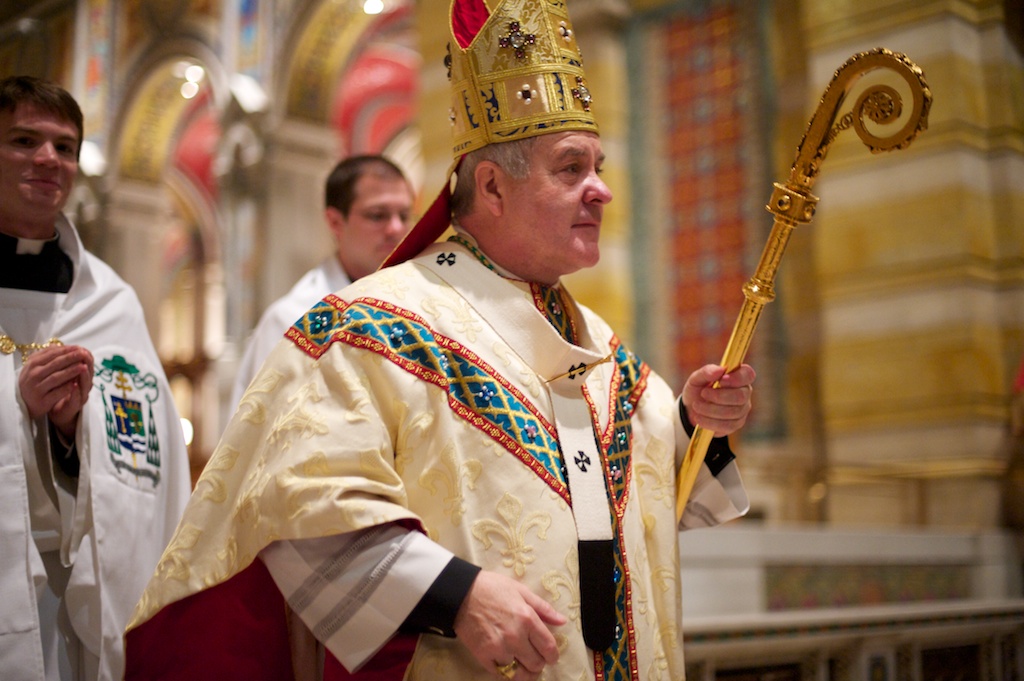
point(885, 457)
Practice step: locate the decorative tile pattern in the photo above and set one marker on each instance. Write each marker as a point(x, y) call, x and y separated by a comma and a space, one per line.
point(828, 586)
point(702, 185)
point(707, 175)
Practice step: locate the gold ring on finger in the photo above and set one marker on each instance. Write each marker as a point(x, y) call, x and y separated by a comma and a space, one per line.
point(507, 670)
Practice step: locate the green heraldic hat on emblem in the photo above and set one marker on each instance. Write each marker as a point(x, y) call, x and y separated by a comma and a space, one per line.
point(516, 72)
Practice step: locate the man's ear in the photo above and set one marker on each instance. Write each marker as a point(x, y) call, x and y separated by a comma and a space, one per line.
point(335, 222)
point(490, 181)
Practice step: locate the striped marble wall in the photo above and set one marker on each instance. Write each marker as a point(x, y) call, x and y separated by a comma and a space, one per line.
point(919, 261)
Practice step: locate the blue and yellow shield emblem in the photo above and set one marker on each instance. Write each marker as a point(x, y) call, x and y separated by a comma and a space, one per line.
point(132, 438)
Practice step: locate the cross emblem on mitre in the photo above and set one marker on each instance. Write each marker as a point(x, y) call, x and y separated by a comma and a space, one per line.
point(517, 39)
point(581, 93)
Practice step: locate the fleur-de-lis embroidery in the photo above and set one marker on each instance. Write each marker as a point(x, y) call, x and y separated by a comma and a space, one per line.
point(452, 476)
point(568, 580)
point(176, 563)
point(411, 435)
point(655, 475)
point(517, 554)
point(212, 487)
point(266, 383)
point(464, 319)
point(517, 39)
point(298, 420)
point(300, 500)
point(665, 577)
point(391, 285)
point(640, 588)
point(228, 556)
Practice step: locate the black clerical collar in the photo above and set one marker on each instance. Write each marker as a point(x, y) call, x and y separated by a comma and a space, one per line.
point(34, 265)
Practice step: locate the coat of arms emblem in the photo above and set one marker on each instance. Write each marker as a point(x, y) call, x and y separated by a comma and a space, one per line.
point(131, 428)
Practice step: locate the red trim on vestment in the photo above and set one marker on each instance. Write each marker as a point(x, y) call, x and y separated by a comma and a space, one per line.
point(459, 349)
point(627, 587)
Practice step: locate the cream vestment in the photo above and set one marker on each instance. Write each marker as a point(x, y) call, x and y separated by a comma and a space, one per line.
point(420, 395)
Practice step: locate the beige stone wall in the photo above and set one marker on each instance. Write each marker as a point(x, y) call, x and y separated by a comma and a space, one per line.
point(918, 260)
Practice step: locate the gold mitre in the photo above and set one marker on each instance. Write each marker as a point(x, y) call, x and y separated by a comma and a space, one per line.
point(516, 72)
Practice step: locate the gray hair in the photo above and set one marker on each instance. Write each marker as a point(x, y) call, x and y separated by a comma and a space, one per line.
point(512, 157)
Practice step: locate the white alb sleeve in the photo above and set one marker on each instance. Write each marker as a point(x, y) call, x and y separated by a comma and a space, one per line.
point(354, 590)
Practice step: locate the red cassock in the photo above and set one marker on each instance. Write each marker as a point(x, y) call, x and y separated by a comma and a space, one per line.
point(238, 630)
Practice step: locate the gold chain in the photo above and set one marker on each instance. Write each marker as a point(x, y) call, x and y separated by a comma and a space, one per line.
point(8, 346)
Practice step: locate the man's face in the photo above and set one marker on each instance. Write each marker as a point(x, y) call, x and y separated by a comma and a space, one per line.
point(377, 221)
point(38, 163)
point(552, 219)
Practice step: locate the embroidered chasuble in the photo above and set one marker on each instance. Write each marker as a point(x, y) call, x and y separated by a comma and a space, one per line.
point(416, 398)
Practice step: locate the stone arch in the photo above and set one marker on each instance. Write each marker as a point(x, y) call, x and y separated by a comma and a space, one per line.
point(303, 142)
point(353, 73)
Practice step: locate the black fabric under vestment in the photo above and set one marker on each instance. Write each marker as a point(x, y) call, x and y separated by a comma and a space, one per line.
point(50, 270)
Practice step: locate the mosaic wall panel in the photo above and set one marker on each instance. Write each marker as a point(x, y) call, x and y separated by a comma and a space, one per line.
point(792, 587)
point(98, 66)
point(699, 181)
point(250, 46)
point(706, 177)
